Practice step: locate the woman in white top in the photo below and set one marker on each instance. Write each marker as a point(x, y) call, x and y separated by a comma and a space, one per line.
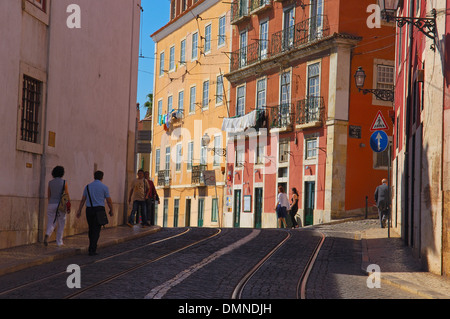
point(55, 217)
point(282, 207)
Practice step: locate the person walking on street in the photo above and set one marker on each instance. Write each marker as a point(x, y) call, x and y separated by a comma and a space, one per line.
point(281, 207)
point(139, 188)
point(152, 197)
point(55, 216)
point(98, 193)
point(294, 207)
point(382, 201)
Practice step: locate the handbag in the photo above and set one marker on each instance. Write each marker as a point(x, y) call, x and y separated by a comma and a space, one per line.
point(100, 212)
point(64, 201)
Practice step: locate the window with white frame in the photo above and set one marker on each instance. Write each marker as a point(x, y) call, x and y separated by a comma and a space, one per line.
point(240, 103)
point(263, 39)
point(167, 162)
point(208, 38)
point(194, 52)
point(180, 103)
point(178, 158)
point(183, 52)
point(385, 77)
point(190, 157)
point(169, 103)
point(203, 155)
point(157, 160)
point(160, 108)
point(283, 151)
point(172, 58)
point(192, 97)
point(261, 94)
point(222, 28)
point(240, 155)
point(311, 148)
point(161, 64)
point(219, 89)
point(205, 98)
point(217, 146)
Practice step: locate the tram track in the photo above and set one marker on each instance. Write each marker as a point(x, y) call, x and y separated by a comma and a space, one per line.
point(115, 255)
point(141, 265)
point(303, 278)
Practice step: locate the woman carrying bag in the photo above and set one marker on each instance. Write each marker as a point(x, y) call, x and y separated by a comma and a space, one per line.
point(58, 206)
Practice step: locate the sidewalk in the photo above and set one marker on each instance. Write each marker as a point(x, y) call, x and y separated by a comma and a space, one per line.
point(18, 258)
point(398, 267)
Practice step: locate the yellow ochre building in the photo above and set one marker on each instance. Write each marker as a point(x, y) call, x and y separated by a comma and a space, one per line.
point(190, 102)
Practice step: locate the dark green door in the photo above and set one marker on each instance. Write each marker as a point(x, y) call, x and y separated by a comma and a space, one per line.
point(309, 202)
point(258, 206)
point(201, 211)
point(188, 213)
point(237, 208)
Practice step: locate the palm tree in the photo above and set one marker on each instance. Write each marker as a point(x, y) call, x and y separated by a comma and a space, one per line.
point(149, 105)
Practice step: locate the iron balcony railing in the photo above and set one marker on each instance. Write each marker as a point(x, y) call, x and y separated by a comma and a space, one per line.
point(259, 4)
point(197, 174)
point(282, 41)
point(303, 32)
point(248, 55)
point(239, 9)
point(310, 110)
point(281, 116)
point(164, 178)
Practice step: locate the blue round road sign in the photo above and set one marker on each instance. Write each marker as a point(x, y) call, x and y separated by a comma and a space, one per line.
point(379, 141)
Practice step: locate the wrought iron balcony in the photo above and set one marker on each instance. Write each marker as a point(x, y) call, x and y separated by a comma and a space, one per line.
point(240, 9)
point(281, 116)
point(257, 5)
point(197, 174)
point(249, 55)
point(303, 32)
point(164, 178)
point(310, 111)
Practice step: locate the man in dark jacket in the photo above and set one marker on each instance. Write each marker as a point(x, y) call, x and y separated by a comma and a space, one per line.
point(382, 200)
point(151, 200)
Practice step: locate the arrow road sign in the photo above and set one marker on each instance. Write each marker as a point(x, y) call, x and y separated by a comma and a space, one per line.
point(379, 141)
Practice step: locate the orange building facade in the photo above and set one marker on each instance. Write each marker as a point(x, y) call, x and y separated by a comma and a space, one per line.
point(190, 102)
point(296, 118)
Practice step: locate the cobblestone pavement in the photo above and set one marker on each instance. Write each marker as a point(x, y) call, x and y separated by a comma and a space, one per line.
point(212, 269)
point(337, 272)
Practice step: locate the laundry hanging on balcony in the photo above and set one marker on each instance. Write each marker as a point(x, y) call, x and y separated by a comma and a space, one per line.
point(240, 124)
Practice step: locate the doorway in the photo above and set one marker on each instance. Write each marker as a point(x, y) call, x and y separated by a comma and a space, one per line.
point(310, 198)
point(237, 208)
point(258, 206)
point(201, 211)
point(188, 212)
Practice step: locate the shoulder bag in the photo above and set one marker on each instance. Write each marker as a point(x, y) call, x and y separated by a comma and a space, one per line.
point(100, 212)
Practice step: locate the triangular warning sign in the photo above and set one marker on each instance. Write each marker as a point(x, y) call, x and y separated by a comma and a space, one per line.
point(379, 123)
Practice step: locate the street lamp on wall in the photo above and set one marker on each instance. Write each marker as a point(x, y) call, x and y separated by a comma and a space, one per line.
point(218, 151)
point(381, 94)
point(425, 25)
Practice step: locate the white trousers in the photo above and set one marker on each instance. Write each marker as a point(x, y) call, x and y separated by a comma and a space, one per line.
point(51, 223)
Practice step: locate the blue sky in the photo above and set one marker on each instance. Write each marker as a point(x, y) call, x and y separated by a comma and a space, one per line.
point(155, 16)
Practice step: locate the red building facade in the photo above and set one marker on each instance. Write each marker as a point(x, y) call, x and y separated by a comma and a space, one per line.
point(421, 174)
point(296, 117)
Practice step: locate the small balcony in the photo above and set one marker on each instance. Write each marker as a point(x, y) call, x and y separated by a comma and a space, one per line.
point(197, 175)
point(306, 31)
point(164, 179)
point(310, 112)
point(249, 55)
point(240, 11)
point(257, 6)
point(282, 117)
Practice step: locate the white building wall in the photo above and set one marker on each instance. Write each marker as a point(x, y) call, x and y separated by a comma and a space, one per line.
point(89, 106)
